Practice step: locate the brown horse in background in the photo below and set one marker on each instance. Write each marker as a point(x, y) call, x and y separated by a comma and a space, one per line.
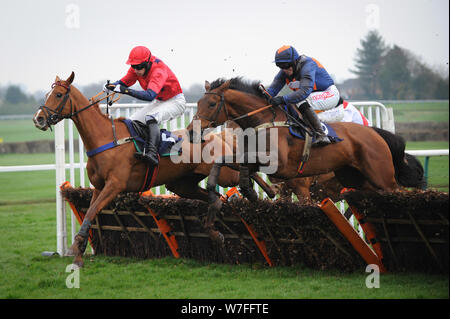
point(116, 170)
point(367, 158)
point(300, 186)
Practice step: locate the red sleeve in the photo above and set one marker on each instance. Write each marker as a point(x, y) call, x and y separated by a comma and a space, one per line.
point(130, 78)
point(157, 80)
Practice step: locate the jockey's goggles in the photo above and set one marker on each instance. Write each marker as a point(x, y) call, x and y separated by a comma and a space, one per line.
point(283, 65)
point(139, 66)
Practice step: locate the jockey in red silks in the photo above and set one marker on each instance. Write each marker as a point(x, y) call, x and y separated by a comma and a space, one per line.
point(313, 87)
point(160, 87)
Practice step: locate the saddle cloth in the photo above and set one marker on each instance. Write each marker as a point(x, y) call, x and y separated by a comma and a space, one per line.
point(139, 132)
point(299, 132)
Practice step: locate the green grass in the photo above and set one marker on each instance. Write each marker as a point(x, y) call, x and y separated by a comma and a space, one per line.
point(420, 112)
point(22, 131)
point(438, 175)
point(24, 273)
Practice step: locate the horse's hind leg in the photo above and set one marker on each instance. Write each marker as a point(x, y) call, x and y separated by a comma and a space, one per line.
point(188, 187)
point(379, 171)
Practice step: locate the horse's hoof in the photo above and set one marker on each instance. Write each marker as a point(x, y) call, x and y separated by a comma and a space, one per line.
point(78, 261)
point(73, 250)
point(70, 252)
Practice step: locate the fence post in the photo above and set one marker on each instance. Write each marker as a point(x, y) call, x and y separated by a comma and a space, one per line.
point(425, 171)
point(61, 227)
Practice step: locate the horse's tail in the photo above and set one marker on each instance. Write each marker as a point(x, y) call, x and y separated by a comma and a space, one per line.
point(408, 169)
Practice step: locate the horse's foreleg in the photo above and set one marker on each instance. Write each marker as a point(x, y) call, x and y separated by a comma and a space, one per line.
point(99, 201)
point(215, 204)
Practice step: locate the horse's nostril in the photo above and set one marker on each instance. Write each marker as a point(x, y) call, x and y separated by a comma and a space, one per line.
point(39, 122)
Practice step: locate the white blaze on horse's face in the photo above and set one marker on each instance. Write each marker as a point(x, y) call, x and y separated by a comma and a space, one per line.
point(39, 119)
point(38, 123)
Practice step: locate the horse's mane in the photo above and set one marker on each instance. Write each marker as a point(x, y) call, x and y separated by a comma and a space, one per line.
point(96, 105)
point(240, 84)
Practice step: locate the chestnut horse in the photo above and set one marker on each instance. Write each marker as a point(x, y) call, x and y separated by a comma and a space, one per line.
point(116, 170)
point(367, 158)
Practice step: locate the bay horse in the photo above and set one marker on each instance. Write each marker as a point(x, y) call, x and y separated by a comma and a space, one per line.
point(367, 158)
point(116, 170)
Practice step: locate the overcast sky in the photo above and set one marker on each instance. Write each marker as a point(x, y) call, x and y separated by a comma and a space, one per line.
point(205, 39)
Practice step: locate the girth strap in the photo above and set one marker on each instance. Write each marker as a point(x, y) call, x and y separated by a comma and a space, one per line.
point(109, 146)
point(271, 124)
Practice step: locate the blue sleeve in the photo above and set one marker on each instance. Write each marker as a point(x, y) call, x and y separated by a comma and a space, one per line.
point(307, 80)
point(278, 82)
point(148, 95)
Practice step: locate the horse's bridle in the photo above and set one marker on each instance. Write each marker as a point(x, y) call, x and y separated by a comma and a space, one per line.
point(213, 119)
point(53, 116)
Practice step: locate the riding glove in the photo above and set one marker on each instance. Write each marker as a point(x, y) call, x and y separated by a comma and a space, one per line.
point(277, 100)
point(117, 88)
point(105, 87)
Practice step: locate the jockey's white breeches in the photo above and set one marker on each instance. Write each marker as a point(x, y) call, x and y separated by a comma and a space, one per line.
point(162, 111)
point(344, 113)
point(324, 100)
point(352, 114)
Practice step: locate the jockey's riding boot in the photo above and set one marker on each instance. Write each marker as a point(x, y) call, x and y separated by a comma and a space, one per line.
point(311, 117)
point(150, 152)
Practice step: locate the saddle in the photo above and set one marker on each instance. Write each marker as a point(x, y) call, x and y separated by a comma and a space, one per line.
point(139, 132)
point(300, 131)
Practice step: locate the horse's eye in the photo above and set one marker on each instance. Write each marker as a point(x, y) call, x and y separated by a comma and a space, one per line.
point(58, 95)
point(212, 104)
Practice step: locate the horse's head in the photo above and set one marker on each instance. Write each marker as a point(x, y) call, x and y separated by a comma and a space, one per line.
point(57, 105)
point(211, 109)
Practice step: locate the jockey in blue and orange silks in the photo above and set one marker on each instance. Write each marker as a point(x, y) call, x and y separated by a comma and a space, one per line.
point(313, 87)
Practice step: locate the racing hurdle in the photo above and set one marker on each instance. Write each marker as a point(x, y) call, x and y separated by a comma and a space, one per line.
point(406, 231)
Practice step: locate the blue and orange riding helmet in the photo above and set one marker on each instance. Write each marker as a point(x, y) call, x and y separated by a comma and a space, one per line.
point(286, 56)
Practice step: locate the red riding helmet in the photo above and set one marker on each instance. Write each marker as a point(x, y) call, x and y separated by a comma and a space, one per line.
point(139, 55)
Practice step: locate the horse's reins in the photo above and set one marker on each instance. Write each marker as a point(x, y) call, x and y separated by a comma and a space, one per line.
point(308, 135)
point(213, 119)
point(54, 115)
